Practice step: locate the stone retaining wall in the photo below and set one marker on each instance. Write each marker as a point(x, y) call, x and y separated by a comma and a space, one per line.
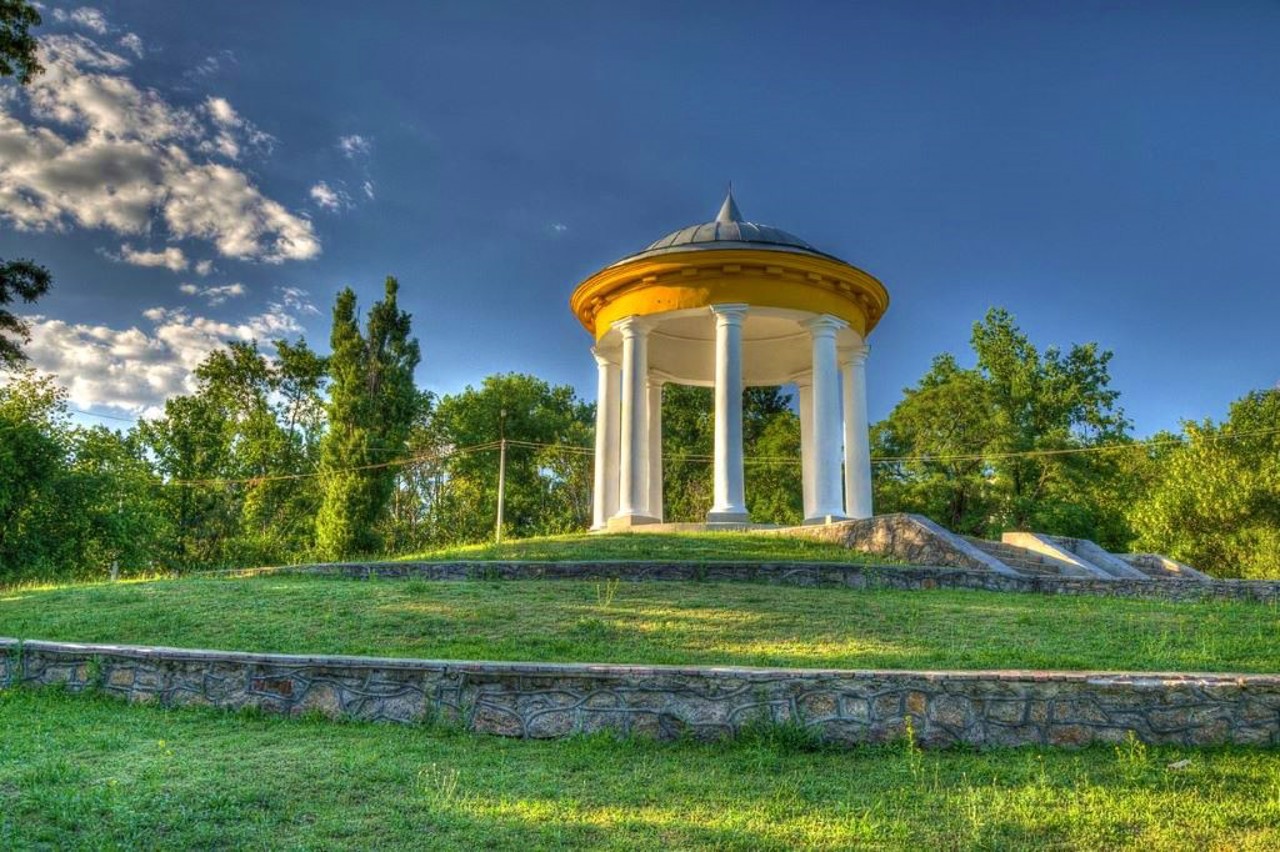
point(554, 700)
point(906, 577)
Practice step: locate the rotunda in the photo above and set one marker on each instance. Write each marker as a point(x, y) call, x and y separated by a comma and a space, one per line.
point(730, 304)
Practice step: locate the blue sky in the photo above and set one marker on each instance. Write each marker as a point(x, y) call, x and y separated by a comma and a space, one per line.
point(196, 172)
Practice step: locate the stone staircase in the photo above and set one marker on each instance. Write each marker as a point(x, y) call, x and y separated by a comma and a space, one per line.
point(916, 540)
point(1046, 555)
point(1019, 558)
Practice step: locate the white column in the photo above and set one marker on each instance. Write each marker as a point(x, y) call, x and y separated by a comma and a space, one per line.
point(826, 419)
point(655, 448)
point(804, 389)
point(730, 505)
point(633, 472)
point(857, 441)
point(605, 491)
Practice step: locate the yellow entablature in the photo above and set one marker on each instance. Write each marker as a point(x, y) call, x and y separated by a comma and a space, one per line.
point(698, 278)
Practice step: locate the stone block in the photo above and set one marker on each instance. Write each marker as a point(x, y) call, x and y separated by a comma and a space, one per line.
point(855, 709)
point(591, 721)
point(818, 705)
point(488, 719)
point(148, 679)
point(888, 706)
point(120, 678)
point(950, 710)
point(1012, 735)
point(1079, 711)
point(321, 698)
point(643, 724)
point(557, 723)
point(1215, 733)
point(1005, 712)
point(1070, 735)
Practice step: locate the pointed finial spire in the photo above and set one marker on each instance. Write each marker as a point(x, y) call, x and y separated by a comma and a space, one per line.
point(729, 211)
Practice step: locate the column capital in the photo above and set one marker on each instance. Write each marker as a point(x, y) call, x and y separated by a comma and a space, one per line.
point(732, 314)
point(854, 356)
point(633, 326)
point(803, 380)
point(601, 360)
point(824, 325)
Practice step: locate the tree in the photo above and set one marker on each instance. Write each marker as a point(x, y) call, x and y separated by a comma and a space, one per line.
point(1214, 502)
point(769, 430)
point(17, 45)
point(548, 488)
point(33, 447)
point(980, 450)
point(373, 404)
point(238, 454)
point(19, 279)
point(22, 279)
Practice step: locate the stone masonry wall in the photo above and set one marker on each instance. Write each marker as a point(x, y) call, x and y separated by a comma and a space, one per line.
point(912, 538)
point(905, 577)
point(555, 700)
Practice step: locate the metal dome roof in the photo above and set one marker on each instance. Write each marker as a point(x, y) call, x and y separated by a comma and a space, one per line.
point(727, 230)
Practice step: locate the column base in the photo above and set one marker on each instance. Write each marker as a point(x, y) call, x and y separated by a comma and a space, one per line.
point(734, 518)
point(626, 522)
point(818, 520)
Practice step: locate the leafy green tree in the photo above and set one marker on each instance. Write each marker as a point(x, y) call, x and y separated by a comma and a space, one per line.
point(237, 455)
point(73, 501)
point(33, 446)
point(775, 490)
point(19, 279)
point(17, 45)
point(119, 518)
point(981, 450)
point(548, 488)
point(1215, 501)
point(769, 430)
point(373, 405)
point(191, 446)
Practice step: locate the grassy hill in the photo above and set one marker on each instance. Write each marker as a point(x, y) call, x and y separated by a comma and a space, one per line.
point(676, 623)
point(656, 547)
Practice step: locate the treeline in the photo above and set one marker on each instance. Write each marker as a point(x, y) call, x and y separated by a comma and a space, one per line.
point(283, 455)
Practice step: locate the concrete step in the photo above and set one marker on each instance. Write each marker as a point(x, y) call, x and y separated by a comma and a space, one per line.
point(1001, 550)
point(1018, 558)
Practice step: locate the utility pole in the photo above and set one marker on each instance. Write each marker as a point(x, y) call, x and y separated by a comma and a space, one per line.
point(115, 563)
point(502, 473)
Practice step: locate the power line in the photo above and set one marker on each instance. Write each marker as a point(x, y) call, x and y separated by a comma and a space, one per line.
point(104, 416)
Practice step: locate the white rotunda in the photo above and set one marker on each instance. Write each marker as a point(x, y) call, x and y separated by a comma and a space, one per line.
point(730, 304)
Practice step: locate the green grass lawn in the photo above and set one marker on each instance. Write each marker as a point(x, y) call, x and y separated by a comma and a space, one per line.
point(656, 547)
point(679, 623)
point(78, 772)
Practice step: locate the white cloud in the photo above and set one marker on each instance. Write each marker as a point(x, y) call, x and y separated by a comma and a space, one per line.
point(86, 17)
point(232, 130)
point(329, 198)
point(203, 267)
point(212, 64)
point(100, 152)
point(368, 189)
point(132, 43)
point(137, 369)
point(559, 227)
point(214, 295)
point(170, 258)
point(355, 145)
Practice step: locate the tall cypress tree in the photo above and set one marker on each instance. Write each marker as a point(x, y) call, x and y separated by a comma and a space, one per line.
point(372, 404)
